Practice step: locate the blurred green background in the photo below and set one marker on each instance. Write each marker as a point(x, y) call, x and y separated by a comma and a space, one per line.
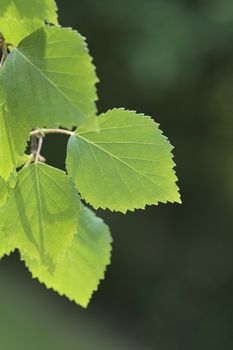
point(170, 284)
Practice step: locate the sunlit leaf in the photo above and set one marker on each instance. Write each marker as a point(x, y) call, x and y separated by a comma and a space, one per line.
point(40, 216)
point(124, 166)
point(78, 273)
point(13, 138)
point(50, 79)
point(14, 30)
point(31, 9)
point(19, 18)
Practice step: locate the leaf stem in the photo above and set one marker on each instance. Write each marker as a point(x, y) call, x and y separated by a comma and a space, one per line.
point(37, 136)
point(29, 160)
point(40, 143)
point(42, 132)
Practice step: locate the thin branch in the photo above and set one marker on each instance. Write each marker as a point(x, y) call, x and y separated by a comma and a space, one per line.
point(40, 143)
point(4, 56)
point(42, 132)
point(34, 144)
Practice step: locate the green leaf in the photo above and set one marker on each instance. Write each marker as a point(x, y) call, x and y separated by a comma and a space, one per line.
point(14, 30)
point(6, 187)
point(19, 18)
point(32, 9)
point(24, 159)
point(124, 166)
point(78, 273)
point(13, 138)
point(40, 216)
point(3, 192)
point(50, 79)
point(6, 248)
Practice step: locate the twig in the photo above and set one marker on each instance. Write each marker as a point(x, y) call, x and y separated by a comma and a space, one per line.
point(40, 143)
point(42, 132)
point(37, 136)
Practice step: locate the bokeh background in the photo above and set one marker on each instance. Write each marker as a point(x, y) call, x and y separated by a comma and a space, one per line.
point(170, 284)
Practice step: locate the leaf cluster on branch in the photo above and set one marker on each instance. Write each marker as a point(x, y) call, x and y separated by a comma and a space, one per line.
point(118, 160)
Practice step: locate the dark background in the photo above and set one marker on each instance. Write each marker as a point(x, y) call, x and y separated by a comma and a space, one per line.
point(170, 284)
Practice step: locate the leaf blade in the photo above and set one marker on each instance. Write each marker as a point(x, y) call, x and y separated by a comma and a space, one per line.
point(125, 165)
point(12, 142)
point(45, 10)
point(40, 217)
point(14, 30)
point(78, 273)
point(20, 18)
point(45, 71)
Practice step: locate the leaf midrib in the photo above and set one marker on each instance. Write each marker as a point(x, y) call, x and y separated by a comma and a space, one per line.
point(50, 81)
point(39, 200)
point(121, 161)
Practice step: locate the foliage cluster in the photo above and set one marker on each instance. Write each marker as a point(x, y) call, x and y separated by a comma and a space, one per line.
point(118, 160)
